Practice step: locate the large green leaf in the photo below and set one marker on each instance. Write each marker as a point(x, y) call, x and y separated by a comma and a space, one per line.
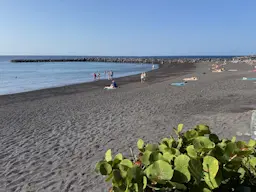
point(135, 173)
point(156, 155)
point(168, 157)
point(127, 163)
point(230, 151)
point(252, 143)
point(252, 162)
point(159, 171)
point(202, 143)
point(167, 141)
point(140, 144)
point(117, 159)
point(108, 155)
point(180, 127)
point(180, 143)
point(191, 151)
point(105, 168)
point(196, 169)
point(145, 158)
point(211, 168)
point(190, 135)
point(202, 129)
point(145, 182)
point(181, 174)
point(151, 147)
point(117, 178)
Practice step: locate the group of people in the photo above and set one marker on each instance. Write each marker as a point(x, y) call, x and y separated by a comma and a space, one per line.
point(110, 75)
point(96, 76)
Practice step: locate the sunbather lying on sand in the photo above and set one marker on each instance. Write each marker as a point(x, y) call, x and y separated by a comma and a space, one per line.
point(191, 79)
point(218, 70)
point(112, 86)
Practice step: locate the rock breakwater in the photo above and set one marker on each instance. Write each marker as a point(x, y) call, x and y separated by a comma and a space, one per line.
point(157, 60)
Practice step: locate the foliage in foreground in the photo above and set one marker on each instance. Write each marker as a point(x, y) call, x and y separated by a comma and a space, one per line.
point(196, 160)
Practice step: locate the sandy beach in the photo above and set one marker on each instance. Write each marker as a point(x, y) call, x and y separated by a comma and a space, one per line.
point(51, 139)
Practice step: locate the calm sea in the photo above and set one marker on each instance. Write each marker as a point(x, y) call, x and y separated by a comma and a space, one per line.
point(23, 77)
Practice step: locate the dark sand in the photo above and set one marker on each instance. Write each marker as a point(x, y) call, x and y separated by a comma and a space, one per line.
point(51, 139)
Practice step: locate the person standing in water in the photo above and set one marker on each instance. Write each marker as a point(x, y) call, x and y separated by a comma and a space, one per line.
point(111, 74)
point(98, 75)
point(94, 76)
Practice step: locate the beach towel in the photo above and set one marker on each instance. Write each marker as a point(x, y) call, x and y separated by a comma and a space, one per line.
point(232, 70)
point(254, 70)
point(109, 88)
point(249, 79)
point(191, 79)
point(178, 84)
point(217, 71)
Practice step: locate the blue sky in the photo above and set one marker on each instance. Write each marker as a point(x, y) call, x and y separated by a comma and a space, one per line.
point(133, 27)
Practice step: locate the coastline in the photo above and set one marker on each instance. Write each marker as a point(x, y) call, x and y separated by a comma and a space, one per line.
point(164, 70)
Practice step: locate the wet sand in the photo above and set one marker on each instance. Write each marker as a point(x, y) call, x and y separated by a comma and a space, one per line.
point(51, 139)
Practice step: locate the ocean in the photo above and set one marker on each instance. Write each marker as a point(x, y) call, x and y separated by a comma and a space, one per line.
point(23, 77)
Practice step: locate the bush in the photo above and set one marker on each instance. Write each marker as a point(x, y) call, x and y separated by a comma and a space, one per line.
point(196, 160)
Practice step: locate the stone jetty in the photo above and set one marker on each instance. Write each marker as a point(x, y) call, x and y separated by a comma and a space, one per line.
point(155, 60)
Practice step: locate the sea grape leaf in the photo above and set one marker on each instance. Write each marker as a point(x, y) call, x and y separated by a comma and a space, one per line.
point(190, 135)
point(202, 129)
point(145, 158)
point(159, 171)
point(182, 174)
point(191, 151)
point(196, 169)
point(127, 163)
point(211, 168)
point(202, 143)
point(168, 142)
point(168, 156)
point(105, 168)
point(108, 155)
point(151, 147)
point(140, 144)
point(180, 127)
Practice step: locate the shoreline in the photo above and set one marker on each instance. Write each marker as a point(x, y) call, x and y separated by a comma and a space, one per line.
point(163, 71)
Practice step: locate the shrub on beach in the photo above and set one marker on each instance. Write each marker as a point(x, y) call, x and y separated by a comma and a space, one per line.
point(196, 160)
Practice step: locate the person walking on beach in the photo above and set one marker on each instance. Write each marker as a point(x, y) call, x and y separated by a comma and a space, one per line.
point(142, 77)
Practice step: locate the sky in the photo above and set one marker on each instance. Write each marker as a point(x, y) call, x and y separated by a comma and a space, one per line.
point(127, 28)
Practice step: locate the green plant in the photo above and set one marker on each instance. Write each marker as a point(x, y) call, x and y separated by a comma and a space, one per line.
point(196, 160)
